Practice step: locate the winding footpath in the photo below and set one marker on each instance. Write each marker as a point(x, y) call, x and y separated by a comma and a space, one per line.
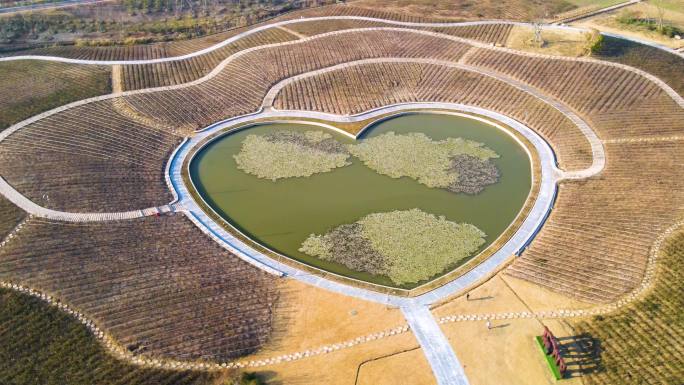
point(435, 345)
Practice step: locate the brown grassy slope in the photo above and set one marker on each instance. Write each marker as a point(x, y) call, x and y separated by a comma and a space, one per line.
point(595, 244)
point(586, 86)
point(89, 159)
point(668, 67)
point(160, 286)
point(10, 216)
point(42, 345)
point(463, 9)
point(29, 87)
point(240, 87)
point(642, 343)
point(361, 88)
point(487, 33)
point(184, 71)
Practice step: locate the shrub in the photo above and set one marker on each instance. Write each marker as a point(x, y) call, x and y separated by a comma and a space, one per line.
point(594, 41)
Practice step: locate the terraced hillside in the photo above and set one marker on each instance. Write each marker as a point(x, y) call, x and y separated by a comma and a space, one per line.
point(667, 66)
point(364, 87)
point(590, 87)
point(441, 10)
point(139, 76)
point(158, 285)
point(10, 217)
point(89, 159)
point(28, 88)
point(602, 256)
point(240, 87)
point(40, 344)
point(162, 288)
point(641, 344)
point(495, 33)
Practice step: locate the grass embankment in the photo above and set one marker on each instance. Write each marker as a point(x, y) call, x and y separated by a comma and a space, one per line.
point(42, 345)
point(642, 343)
point(473, 10)
point(666, 66)
point(29, 87)
point(646, 20)
point(555, 42)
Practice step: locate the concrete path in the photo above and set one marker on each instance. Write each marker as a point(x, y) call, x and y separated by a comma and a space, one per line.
point(436, 347)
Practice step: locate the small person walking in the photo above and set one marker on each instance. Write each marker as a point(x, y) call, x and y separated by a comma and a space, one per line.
point(489, 325)
point(467, 296)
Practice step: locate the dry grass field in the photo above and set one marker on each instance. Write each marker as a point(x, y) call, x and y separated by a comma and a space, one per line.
point(641, 344)
point(555, 42)
point(647, 12)
point(28, 88)
point(158, 285)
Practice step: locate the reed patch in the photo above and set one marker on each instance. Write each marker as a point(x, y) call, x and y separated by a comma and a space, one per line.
point(454, 164)
point(407, 246)
point(290, 154)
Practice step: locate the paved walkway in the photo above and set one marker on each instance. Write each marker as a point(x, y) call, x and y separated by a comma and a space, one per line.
point(436, 347)
point(645, 139)
point(30, 207)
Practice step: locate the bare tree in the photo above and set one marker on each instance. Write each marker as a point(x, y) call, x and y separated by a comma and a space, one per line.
point(661, 14)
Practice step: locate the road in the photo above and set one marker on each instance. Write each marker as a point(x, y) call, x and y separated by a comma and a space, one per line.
point(48, 5)
point(445, 365)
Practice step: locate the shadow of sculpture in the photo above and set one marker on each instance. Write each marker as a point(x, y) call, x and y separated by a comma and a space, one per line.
point(582, 354)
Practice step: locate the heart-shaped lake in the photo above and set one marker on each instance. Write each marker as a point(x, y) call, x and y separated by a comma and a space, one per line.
point(282, 214)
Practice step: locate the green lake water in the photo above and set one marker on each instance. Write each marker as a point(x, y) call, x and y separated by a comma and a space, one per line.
point(281, 215)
